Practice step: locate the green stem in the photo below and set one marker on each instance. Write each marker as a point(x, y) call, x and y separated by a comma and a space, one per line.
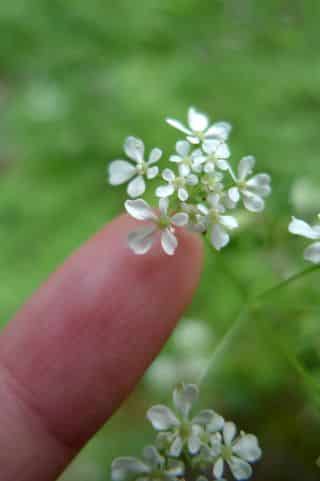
point(254, 304)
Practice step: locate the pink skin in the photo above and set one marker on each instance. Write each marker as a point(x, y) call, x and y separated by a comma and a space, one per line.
point(78, 347)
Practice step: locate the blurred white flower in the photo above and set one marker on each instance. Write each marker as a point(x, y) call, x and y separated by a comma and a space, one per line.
point(305, 195)
point(193, 336)
point(186, 159)
point(237, 452)
point(212, 182)
point(178, 429)
point(152, 467)
point(219, 224)
point(199, 129)
point(196, 223)
point(177, 184)
point(141, 240)
point(303, 229)
point(253, 190)
point(122, 171)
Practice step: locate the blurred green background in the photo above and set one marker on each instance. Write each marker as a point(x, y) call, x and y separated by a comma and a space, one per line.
point(76, 77)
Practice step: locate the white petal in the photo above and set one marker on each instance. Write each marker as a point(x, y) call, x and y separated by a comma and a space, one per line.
point(169, 242)
point(184, 170)
point(229, 432)
point(136, 187)
point(175, 158)
point(216, 424)
point(299, 227)
point(219, 237)
point(216, 444)
point(312, 253)
point(197, 121)
point(219, 130)
point(176, 447)
point(122, 468)
point(218, 468)
point(134, 148)
point(140, 241)
point(247, 448)
point(162, 418)
point(210, 146)
point(241, 470)
point(152, 172)
point(203, 209)
point(246, 166)
point(260, 184)
point(184, 396)
point(139, 209)
point(209, 167)
point(120, 171)
point(234, 194)
point(192, 179)
point(229, 222)
point(175, 468)
point(223, 164)
point(194, 443)
point(168, 175)
point(204, 417)
point(178, 125)
point(180, 219)
point(164, 190)
point(163, 205)
point(223, 151)
point(183, 194)
point(215, 201)
point(252, 202)
point(193, 139)
point(155, 156)
point(183, 148)
point(152, 456)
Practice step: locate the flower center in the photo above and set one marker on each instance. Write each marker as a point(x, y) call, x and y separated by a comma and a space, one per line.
point(242, 184)
point(179, 182)
point(142, 168)
point(199, 134)
point(226, 452)
point(185, 430)
point(163, 222)
point(214, 216)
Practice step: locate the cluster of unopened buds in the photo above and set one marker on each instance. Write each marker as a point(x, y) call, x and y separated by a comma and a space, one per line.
point(197, 194)
point(200, 446)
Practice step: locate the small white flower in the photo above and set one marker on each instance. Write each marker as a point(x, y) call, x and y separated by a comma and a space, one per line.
point(218, 223)
point(179, 430)
point(187, 160)
point(303, 229)
point(212, 182)
point(198, 128)
point(177, 184)
point(237, 452)
point(217, 155)
point(196, 221)
point(253, 190)
point(152, 467)
point(122, 171)
point(140, 241)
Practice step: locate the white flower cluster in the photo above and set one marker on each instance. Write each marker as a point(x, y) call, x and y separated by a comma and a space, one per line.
point(198, 194)
point(187, 445)
point(303, 229)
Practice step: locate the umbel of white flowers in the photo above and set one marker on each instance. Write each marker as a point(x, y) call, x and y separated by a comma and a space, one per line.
point(203, 443)
point(198, 194)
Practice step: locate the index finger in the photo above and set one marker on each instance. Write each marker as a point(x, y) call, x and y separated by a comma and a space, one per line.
point(79, 346)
